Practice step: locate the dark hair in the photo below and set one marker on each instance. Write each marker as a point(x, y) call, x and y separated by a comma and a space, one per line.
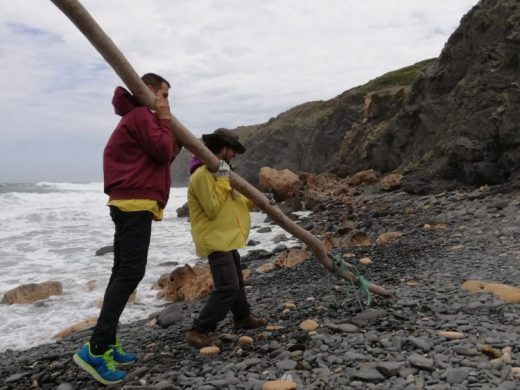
point(214, 145)
point(154, 80)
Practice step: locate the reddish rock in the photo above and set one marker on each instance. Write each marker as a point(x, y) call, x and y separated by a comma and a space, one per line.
point(85, 324)
point(391, 181)
point(363, 177)
point(388, 237)
point(291, 259)
point(187, 283)
point(283, 183)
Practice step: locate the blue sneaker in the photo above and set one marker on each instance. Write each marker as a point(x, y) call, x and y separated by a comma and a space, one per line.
point(122, 357)
point(101, 367)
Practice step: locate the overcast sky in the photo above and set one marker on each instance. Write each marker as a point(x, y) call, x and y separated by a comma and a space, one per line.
point(231, 62)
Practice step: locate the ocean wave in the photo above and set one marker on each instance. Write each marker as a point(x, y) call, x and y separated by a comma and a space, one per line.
point(62, 186)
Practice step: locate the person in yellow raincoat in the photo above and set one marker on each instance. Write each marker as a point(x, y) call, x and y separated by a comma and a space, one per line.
point(220, 224)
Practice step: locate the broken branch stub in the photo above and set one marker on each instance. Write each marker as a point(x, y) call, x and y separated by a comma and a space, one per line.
point(115, 58)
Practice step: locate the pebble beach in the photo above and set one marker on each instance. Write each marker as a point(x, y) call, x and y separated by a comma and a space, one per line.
point(433, 333)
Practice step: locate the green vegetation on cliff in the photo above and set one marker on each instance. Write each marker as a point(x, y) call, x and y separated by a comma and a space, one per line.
point(403, 76)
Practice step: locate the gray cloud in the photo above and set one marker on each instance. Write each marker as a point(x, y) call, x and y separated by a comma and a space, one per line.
point(231, 63)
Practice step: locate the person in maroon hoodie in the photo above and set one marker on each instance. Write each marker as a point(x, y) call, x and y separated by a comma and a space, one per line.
point(136, 167)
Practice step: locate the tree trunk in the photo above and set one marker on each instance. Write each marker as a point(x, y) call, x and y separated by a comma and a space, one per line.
point(110, 52)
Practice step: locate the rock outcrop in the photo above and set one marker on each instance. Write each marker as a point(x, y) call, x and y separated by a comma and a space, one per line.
point(460, 118)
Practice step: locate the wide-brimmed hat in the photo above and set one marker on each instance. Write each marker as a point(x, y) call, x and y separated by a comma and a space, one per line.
point(227, 137)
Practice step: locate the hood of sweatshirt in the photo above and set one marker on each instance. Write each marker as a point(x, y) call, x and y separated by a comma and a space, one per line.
point(123, 101)
point(194, 164)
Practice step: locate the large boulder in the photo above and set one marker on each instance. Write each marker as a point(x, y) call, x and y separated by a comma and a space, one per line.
point(391, 181)
point(32, 292)
point(363, 177)
point(283, 183)
point(187, 283)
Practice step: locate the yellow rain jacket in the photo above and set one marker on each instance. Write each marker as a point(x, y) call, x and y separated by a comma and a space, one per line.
point(219, 215)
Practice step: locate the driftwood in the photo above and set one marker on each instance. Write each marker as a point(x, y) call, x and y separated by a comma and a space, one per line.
point(115, 58)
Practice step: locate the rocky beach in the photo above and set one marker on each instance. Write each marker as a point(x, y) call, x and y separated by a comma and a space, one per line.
point(444, 327)
point(412, 178)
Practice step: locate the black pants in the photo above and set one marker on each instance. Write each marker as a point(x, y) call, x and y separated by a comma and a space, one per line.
point(228, 292)
point(131, 242)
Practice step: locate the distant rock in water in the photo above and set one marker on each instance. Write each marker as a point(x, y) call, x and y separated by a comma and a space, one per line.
point(104, 250)
point(183, 211)
point(29, 293)
point(169, 264)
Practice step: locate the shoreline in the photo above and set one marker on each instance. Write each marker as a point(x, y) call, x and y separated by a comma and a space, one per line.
point(472, 235)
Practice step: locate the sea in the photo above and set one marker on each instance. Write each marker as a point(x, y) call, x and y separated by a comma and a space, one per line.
point(51, 232)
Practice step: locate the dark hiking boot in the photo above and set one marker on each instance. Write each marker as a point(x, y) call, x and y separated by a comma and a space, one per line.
point(250, 322)
point(201, 340)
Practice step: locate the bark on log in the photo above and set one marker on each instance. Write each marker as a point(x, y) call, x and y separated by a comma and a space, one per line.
point(115, 58)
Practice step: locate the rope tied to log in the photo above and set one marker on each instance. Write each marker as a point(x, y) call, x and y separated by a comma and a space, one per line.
point(340, 266)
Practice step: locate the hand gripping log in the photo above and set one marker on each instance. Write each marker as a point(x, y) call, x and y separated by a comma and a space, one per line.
point(115, 58)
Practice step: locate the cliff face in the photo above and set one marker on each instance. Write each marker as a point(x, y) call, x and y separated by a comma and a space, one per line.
point(305, 138)
point(309, 137)
point(460, 120)
point(454, 118)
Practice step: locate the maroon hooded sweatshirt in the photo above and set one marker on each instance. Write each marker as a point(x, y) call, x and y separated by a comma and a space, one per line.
point(137, 157)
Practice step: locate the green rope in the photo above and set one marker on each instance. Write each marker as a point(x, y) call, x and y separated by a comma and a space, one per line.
point(340, 266)
point(363, 286)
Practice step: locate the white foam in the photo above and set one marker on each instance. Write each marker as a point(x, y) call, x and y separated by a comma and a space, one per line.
point(54, 234)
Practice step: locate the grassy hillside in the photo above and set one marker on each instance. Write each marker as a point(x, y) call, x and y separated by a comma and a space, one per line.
point(403, 76)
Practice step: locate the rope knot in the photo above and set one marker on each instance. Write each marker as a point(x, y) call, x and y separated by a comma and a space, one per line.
point(340, 266)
